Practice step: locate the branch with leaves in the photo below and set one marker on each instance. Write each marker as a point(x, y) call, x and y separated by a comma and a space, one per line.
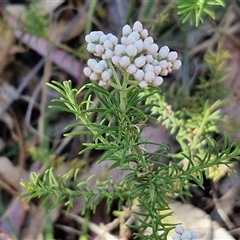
point(126, 81)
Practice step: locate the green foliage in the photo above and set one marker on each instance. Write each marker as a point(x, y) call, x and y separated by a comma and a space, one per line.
point(115, 128)
point(195, 11)
point(212, 87)
point(195, 120)
point(37, 23)
point(150, 184)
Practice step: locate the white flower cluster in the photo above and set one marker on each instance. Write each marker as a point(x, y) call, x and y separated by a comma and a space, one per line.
point(182, 234)
point(136, 53)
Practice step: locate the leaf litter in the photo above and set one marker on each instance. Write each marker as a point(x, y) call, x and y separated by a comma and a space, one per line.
point(31, 133)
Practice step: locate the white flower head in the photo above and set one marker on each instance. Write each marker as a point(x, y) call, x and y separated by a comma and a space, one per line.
point(136, 53)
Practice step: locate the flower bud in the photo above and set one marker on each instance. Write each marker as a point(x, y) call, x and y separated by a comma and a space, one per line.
point(102, 83)
point(106, 75)
point(146, 45)
point(130, 40)
point(169, 66)
point(157, 70)
point(149, 77)
point(163, 64)
point(158, 81)
point(95, 36)
point(113, 39)
point(179, 229)
point(172, 56)
point(91, 47)
point(131, 50)
point(137, 26)
point(140, 61)
point(139, 45)
point(148, 68)
point(144, 33)
point(108, 54)
point(136, 35)
point(131, 69)
point(149, 58)
point(123, 40)
point(186, 235)
point(139, 75)
point(194, 235)
point(126, 30)
point(99, 50)
point(163, 52)
point(91, 63)
point(164, 72)
point(103, 63)
point(143, 84)
point(149, 40)
point(87, 71)
point(124, 61)
point(176, 64)
point(103, 38)
point(94, 76)
point(107, 45)
point(98, 68)
point(119, 49)
point(116, 60)
point(176, 236)
point(153, 48)
point(87, 38)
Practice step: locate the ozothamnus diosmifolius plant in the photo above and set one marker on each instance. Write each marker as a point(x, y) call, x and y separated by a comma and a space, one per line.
point(125, 78)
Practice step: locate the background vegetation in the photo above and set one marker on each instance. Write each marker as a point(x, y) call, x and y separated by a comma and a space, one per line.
point(46, 42)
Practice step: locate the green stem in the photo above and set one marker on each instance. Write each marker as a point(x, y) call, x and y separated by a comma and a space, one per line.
point(91, 11)
point(200, 132)
point(123, 93)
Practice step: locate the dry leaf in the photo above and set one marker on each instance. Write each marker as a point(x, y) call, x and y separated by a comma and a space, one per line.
point(10, 173)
